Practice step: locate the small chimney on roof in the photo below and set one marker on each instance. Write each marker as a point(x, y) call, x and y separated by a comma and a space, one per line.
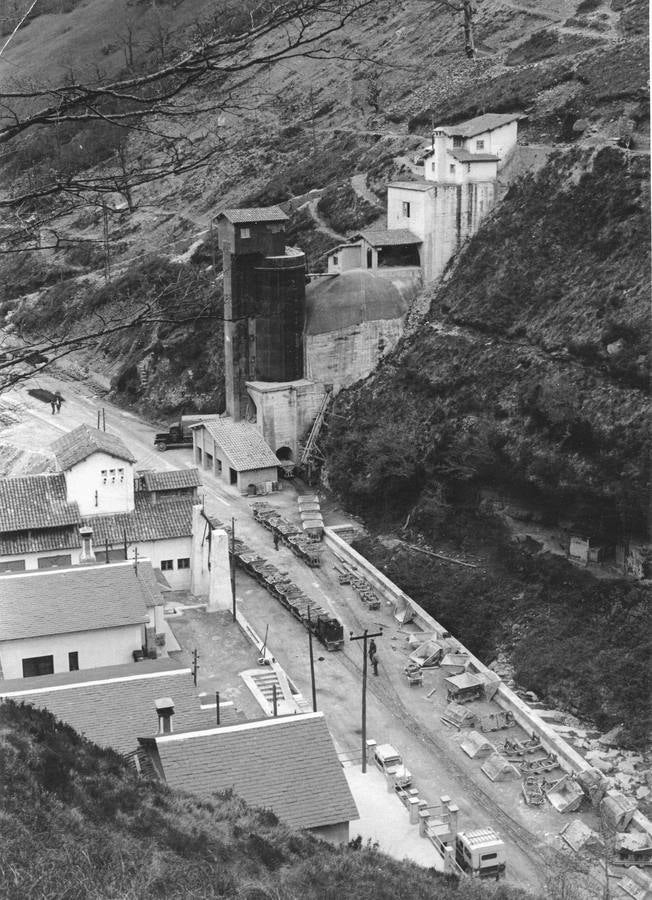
point(165, 711)
point(87, 554)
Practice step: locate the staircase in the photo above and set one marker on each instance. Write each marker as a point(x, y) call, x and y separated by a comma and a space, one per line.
point(261, 682)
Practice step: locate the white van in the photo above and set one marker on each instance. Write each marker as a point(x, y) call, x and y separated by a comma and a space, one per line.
point(390, 761)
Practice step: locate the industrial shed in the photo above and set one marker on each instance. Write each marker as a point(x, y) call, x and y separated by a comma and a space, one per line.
point(236, 452)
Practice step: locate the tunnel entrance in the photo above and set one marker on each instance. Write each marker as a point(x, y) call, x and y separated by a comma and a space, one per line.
point(284, 454)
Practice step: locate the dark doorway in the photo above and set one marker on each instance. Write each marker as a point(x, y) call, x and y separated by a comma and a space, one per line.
point(73, 661)
point(233, 476)
point(284, 454)
point(370, 258)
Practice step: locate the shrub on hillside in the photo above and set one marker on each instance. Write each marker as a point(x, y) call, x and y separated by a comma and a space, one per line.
point(344, 210)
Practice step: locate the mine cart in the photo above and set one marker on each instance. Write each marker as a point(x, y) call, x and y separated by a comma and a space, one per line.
point(464, 688)
point(413, 674)
point(330, 632)
point(532, 790)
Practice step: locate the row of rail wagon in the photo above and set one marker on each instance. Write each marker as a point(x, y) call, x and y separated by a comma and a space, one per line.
point(313, 617)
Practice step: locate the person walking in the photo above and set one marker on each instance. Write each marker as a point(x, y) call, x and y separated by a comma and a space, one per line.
point(372, 648)
point(53, 404)
point(374, 662)
point(276, 540)
point(58, 400)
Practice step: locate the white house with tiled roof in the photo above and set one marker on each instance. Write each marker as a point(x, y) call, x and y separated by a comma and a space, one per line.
point(98, 468)
point(77, 618)
point(148, 514)
point(471, 150)
point(236, 452)
point(287, 764)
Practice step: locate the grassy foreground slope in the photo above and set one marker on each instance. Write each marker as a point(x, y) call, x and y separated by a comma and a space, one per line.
point(77, 823)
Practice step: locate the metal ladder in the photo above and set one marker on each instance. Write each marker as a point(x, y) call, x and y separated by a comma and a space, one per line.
point(310, 449)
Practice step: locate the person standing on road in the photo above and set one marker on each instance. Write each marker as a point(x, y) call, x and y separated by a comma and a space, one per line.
point(53, 404)
point(374, 662)
point(372, 648)
point(58, 399)
point(276, 540)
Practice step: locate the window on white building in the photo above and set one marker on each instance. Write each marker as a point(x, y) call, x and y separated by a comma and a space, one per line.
point(167, 565)
point(183, 563)
point(433, 166)
point(336, 260)
point(458, 142)
point(38, 665)
point(105, 476)
point(112, 475)
point(73, 661)
point(245, 232)
point(406, 209)
point(121, 476)
point(452, 169)
point(479, 145)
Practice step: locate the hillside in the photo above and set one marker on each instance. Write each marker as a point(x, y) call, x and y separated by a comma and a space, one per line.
point(356, 109)
point(77, 822)
point(525, 381)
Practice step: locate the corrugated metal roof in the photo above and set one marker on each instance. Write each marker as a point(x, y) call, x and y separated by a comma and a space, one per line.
point(390, 237)
point(171, 481)
point(254, 214)
point(35, 501)
point(61, 601)
point(169, 517)
point(243, 444)
point(288, 764)
point(114, 705)
point(465, 156)
point(82, 442)
point(486, 122)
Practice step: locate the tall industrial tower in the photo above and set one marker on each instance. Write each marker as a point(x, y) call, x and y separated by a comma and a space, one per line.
point(264, 303)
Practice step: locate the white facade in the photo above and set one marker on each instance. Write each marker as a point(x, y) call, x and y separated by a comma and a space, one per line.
point(173, 556)
point(101, 484)
point(345, 257)
point(104, 647)
point(440, 166)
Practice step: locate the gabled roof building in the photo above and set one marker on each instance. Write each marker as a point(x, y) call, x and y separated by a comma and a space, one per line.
point(287, 764)
point(236, 452)
point(78, 618)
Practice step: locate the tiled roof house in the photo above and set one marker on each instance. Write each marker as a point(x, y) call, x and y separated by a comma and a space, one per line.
point(287, 764)
point(41, 515)
point(78, 618)
point(235, 452)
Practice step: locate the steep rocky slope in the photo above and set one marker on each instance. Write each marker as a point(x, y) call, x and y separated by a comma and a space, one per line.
point(525, 380)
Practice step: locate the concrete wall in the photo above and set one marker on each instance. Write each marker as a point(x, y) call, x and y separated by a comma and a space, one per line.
point(96, 493)
point(31, 559)
point(343, 357)
point(104, 647)
point(500, 141)
point(349, 256)
point(286, 410)
point(419, 221)
point(171, 548)
point(335, 834)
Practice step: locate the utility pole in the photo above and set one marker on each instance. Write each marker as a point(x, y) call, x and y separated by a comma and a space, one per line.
point(217, 706)
point(233, 565)
point(364, 637)
point(312, 665)
point(195, 665)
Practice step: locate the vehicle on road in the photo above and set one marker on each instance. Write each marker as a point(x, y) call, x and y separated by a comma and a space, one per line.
point(179, 434)
point(390, 762)
point(480, 852)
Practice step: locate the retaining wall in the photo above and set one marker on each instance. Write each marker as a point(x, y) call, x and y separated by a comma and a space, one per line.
point(570, 760)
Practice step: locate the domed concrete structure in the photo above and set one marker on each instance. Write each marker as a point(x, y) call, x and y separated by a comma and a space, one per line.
point(352, 320)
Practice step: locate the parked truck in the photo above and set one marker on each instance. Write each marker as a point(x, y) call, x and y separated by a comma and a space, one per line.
point(390, 762)
point(480, 852)
point(179, 434)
